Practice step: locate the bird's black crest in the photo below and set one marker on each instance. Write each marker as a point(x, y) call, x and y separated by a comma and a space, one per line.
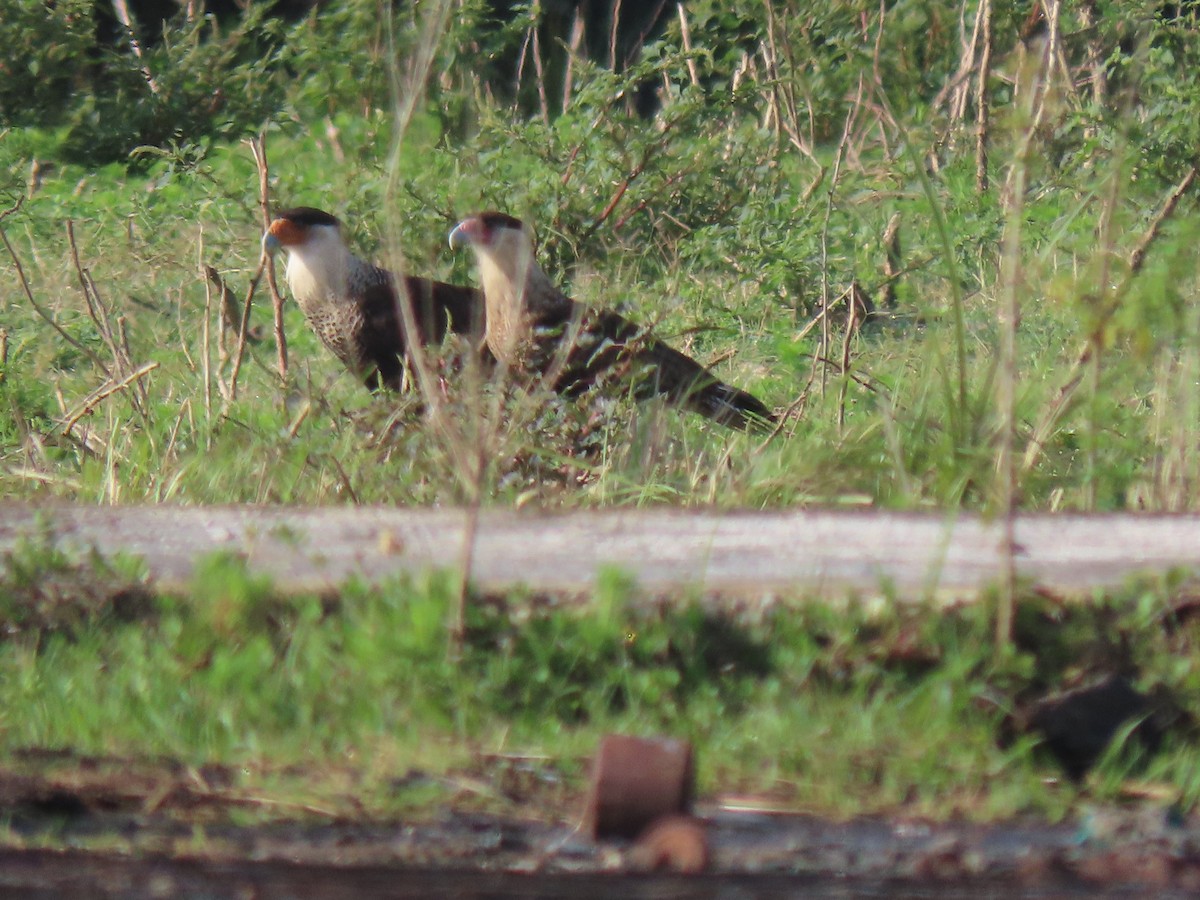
point(500, 220)
point(307, 216)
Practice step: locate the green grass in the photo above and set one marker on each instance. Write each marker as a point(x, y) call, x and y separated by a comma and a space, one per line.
point(719, 242)
point(833, 710)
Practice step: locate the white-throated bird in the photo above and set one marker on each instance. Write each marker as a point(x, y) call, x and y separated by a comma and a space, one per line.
point(533, 326)
point(354, 306)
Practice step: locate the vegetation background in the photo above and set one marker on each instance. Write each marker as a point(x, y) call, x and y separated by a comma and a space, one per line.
point(953, 244)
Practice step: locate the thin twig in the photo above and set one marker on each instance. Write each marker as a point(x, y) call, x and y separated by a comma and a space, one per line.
point(1138, 257)
point(538, 69)
point(612, 35)
point(852, 322)
point(231, 316)
point(82, 348)
point(782, 90)
point(105, 391)
point(839, 158)
point(122, 10)
point(97, 311)
point(573, 45)
point(243, 328)
point(982, 106)
point(891, 262)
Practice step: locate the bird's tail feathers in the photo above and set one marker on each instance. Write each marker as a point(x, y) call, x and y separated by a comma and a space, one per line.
point(727, 405)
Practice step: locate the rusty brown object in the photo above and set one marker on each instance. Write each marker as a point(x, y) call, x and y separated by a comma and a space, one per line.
point(671, 844)
point(636, 781)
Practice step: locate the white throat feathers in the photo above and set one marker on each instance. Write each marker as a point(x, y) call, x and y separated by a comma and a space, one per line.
point(318, 270)
point(514, 286)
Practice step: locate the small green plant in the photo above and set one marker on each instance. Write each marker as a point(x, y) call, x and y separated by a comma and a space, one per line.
point(46, 589)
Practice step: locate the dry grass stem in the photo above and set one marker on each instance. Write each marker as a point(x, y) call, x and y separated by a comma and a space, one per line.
point(239, 353)
point(1065, 394)
point(1033, 80)
point(258, 147)
point(981, 100)
point(891, 263)
point(206, 342)
point(105, 391)
point(839, 158)
point(38, 308)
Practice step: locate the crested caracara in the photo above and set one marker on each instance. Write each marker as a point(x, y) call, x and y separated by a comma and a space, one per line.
point(353, 305)
point(532, 325)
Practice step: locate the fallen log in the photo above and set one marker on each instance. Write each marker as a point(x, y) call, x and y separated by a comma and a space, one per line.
point(801, 554)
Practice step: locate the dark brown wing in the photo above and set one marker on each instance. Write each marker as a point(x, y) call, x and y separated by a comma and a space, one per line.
point(606, 346)
point(437, 309)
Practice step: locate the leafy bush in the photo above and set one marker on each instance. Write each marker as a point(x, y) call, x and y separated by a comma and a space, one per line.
point(198, 83)
point(48, 55)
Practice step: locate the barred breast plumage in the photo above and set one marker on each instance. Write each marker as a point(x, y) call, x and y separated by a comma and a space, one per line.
point(354, 306)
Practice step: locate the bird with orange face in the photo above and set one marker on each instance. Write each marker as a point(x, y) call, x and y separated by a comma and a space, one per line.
point(354, 306)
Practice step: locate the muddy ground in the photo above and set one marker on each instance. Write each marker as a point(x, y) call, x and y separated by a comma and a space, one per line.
point(101, 827)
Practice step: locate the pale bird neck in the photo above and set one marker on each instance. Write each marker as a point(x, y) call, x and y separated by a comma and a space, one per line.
point(320, 269)
point(515, 288)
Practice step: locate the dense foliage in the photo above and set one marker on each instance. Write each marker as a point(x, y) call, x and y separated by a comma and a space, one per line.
point(728, 172)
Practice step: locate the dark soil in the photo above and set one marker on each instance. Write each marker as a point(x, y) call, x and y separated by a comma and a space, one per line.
point(132, 829)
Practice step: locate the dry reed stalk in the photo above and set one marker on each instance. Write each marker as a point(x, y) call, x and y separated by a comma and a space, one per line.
point(182, 332)
point(97, 310)
point(169, 449)
point(982, 106)
point(206, 342)
point(783, 97)
point(891, 262)
point(470, 451)
point(258, 147)
point(1033, 78)
point(852, 324)
point(835, 177)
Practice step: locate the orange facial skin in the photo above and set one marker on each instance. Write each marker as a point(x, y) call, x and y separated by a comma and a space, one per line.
point(287, 232)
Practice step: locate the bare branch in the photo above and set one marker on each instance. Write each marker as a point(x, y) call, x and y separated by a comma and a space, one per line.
point(1138, 257)
point(686, 33)
point(82, 348)
point(122, 10)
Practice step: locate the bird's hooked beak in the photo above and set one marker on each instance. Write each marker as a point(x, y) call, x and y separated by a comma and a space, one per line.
point(464, 233)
